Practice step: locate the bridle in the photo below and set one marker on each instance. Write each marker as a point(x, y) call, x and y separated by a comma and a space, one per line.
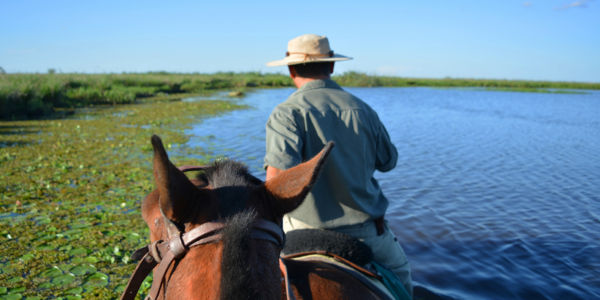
point(165, 253)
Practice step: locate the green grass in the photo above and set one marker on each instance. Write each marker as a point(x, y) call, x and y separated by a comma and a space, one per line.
point(70, 195)
point(361, 79)
point(27, 96)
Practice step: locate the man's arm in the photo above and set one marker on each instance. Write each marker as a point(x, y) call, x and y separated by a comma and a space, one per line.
point(387, 154)
point(283, 143)
point(272, 172)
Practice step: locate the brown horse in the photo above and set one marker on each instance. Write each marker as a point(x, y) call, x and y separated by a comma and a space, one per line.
point(224, 238)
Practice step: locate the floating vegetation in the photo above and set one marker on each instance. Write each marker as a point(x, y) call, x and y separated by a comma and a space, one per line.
point(71, 191)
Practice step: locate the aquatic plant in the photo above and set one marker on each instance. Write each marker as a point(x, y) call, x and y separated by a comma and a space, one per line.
point(70, 195)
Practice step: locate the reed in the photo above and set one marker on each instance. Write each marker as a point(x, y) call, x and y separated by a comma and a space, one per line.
point(361, 79)
point(30, 96)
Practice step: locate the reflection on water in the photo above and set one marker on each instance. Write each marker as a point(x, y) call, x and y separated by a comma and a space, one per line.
point(495, 195)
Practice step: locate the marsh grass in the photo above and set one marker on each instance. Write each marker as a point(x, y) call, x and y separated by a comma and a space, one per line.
point(71, 191)
point(27, 96)
point(361, 79)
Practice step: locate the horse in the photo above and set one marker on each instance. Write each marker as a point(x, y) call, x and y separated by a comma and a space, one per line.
point(219, 236)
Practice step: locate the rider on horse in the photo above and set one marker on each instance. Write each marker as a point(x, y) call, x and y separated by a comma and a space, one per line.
point(346, 198)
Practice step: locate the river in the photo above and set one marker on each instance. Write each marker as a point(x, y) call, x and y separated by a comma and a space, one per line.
point(496, 195)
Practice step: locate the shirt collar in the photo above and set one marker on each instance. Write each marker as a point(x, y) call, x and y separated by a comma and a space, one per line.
point(318, 84)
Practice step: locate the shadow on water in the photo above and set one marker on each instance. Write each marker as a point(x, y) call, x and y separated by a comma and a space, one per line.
point(17, 129)
point(9, 131)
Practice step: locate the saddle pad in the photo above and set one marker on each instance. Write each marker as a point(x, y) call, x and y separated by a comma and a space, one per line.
point(330, 260)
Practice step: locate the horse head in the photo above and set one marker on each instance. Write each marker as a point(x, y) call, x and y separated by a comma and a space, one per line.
point(232, 221)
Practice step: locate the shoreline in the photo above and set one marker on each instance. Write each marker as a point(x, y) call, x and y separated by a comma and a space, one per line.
point(34, 96)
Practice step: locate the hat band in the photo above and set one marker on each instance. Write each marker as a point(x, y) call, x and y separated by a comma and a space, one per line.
point(308, 55)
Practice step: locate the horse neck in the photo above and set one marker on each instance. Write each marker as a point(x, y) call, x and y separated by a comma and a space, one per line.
point(212, 271)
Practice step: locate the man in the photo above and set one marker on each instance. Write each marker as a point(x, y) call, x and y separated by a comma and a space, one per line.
point(346, 197)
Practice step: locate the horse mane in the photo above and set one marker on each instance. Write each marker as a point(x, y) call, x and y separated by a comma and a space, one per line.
point(236, 277)
point(241, 277)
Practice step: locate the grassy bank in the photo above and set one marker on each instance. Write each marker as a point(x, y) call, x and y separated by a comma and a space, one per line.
point(70, 195)
point(361, 79)
point(27, 96)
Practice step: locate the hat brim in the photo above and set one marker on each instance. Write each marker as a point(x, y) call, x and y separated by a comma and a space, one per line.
point(290, 60)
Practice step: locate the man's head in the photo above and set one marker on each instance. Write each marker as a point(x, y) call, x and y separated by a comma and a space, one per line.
point(309, 56)
point(319, 70)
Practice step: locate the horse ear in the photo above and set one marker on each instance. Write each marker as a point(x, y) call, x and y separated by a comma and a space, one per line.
point(176, 191)
point(289, 188)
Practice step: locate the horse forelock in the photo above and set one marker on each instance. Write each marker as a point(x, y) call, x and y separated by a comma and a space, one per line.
point(233, 185)
point(225, 173)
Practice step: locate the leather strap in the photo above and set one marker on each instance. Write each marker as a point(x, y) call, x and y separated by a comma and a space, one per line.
point(355, 271)
point(142, 270)
point(379, 225)
point(164, 253)
point(284, 273)
point(336, 257)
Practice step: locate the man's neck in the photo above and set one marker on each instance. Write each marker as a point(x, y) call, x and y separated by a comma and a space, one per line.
point(300, 81)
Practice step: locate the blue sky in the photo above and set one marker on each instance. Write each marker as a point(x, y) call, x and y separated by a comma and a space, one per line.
point(536, 40)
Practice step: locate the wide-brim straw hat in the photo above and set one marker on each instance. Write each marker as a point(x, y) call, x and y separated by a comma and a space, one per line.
point(308, 48)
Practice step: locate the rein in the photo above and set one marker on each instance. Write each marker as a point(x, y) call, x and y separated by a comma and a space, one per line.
point(164, 253)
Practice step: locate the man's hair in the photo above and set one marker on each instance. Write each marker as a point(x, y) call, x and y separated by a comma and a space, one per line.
point(313, 69)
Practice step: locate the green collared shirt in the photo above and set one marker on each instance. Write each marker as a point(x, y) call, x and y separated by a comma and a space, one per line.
point(346, 192)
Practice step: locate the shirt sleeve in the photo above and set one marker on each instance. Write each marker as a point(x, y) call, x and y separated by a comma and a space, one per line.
point(387, 154)
point(283, 141)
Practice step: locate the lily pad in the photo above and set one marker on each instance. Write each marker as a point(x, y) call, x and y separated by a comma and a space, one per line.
point(15, 280)
point(83, 269)
point(44, 247)
point(26, 257)
point(63, 279)
point(96, 280)
point(75, 291)
point(15, 290)
point(11, 297)
point(52, 272)
point(45, 285)
point(78, 251)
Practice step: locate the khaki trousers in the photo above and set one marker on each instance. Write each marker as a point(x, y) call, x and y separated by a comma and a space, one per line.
point(386, 248)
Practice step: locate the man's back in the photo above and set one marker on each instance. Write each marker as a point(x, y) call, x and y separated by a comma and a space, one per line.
point(346, 192)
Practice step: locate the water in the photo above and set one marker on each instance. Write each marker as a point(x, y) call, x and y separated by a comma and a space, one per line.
point(495, 195)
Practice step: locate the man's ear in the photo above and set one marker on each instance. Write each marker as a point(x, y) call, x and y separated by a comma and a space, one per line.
point(332, 63)
point(293, 73)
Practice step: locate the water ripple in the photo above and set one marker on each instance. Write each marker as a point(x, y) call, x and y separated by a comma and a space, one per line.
point(495, 195)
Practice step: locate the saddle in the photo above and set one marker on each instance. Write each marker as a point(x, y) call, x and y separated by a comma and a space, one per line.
point(338, 250)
